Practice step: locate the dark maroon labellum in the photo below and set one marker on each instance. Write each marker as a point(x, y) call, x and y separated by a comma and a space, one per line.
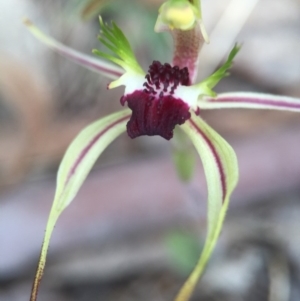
point(155, 111)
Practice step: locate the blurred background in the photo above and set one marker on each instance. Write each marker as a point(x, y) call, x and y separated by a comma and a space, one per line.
point(135, 230)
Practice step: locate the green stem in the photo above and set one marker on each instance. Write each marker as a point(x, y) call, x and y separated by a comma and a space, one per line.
point(42, 260)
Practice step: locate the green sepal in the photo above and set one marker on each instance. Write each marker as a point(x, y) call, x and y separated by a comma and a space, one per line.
point(114, 39)
point(221, 172)
point(75, 166)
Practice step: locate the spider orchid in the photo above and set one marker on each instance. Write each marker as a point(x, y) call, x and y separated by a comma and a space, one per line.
point(166, 96)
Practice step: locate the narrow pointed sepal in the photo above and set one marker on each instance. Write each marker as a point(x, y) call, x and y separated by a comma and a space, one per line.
point(249, 100)
point(74, 168)
point(221, 171)
point(83, 152)
point(98, 65)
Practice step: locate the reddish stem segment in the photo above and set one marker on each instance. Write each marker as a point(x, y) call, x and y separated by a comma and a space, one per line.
point(187, 44)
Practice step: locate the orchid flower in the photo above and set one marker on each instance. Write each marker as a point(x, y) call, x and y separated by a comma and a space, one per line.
point(158, 100)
